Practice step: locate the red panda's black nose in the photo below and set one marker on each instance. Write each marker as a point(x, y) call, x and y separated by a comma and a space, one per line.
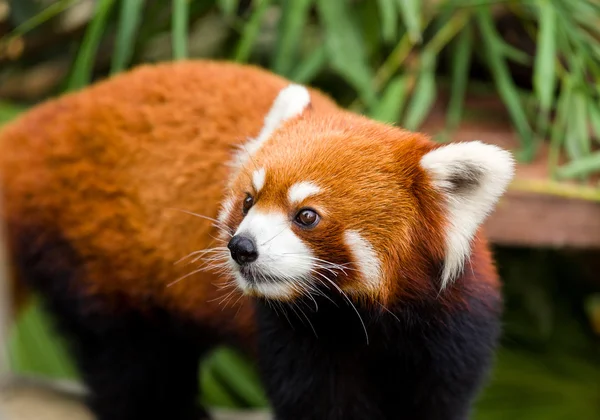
point(243, 249)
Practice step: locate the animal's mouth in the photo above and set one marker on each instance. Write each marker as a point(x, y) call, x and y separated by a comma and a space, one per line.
point(253, 282)
point(254, 276)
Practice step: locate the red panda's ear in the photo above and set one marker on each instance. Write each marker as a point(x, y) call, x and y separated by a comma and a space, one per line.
point(289, 103)
point(472, 176)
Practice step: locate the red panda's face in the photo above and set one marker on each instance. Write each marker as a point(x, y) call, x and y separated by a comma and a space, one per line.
point(337, 203)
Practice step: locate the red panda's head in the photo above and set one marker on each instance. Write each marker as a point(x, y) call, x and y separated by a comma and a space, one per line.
point(334, 202)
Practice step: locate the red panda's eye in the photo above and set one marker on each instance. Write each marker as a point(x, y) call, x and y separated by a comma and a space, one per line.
point(248, 202)
point(307, 218)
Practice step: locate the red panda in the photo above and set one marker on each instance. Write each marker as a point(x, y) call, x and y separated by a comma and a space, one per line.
point(181, 206)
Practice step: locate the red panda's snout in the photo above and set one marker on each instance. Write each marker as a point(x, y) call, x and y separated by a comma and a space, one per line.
point(336, 203)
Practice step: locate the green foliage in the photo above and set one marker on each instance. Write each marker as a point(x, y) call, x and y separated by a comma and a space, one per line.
point(84, 64)
point(129, 20)
point(8, 112)
point(180, 28)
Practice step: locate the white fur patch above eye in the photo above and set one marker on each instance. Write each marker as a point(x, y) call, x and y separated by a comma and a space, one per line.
point(258, 179)
point(365, 259)
point(300, 191)
point(472, 176)
point(289, 103)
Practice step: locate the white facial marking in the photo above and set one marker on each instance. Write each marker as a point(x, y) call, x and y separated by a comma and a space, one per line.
point(281, 255)
point(258, 179)
point(301, 191)
point(472, 176)
point(226, 209)
point(224, 213)
point(365, 259)
point(268, 290)
point(289, 103)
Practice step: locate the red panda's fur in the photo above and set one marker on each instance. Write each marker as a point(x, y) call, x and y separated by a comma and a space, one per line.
point(112, 168)
point(118, 169)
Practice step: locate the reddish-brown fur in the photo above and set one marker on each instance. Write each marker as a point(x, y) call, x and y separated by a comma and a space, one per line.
point(108, 174)
point(109, 166)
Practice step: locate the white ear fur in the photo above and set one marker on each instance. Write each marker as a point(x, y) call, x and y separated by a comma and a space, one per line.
point(472, 176)
point(290, 102)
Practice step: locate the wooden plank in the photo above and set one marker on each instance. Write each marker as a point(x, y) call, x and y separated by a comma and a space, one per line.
point(534, 220)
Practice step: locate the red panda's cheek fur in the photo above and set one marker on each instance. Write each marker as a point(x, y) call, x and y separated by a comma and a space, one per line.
point(327, 244)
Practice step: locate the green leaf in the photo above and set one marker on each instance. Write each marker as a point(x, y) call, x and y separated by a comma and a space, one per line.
point(179, 35)
point(367, 24)
point(503, 80)
point(131, 12)
point(394, 97)
point(83, 67)
point(461, 53)
point(250, 32)
point(310, 66)
point(389, 19)
point(8, 112)
point(291, 26)
point(240, 377)
point(424, 95)
point(44, 16)
point(560, 124)
point(577, 144)
point(214, 392)
point(228, 7)
point(35, 348)
point(580, 167)
point(544, 77)
point(594, 113)
point(345, 47)
point(411, 14)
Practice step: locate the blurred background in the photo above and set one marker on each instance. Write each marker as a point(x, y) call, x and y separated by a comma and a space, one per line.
point(521, 74)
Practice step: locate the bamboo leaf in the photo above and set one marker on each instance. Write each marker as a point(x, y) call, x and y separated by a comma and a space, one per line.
point(227, 7)
point(389, 19)
point(580, 167)
point(8, 112)
point(578, 144)
point(345, 47)
point(180, 28)
point(250, 32)
point(424, 94)
point(503, 80)
point(390, 105)
point(82, 69)
point(291, 25)
point(131, 12)
point(514, 54)
point(411, 14)
point(39, 18)
point(460, 76)
point(544, 77)
point(310, 66)
point(214, 392)
point(33, 336)
point(594, 113)
point(560, 124)
point(239, 376)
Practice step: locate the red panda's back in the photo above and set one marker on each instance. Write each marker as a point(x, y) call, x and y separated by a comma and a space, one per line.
point(108, 169)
